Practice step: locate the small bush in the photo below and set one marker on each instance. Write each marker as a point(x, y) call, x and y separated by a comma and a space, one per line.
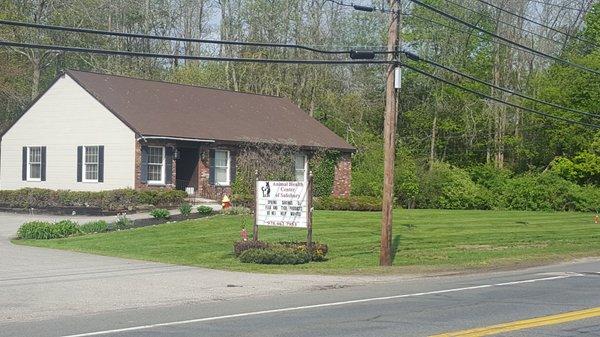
point(361, 203)
point(185, 209)
point(40, 230)
point(236, 210)
point(204, 210)
point(34, 230)
point(64, 228)
point(275, 255)
point(318, 251)
point(160, 213)
point(240, 246)
point(122, 222)
point(100, 226)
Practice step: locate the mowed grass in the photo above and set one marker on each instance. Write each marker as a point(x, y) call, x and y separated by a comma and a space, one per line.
point(424, 240)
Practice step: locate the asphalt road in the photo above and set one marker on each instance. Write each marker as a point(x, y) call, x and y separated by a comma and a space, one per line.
point(418, 307)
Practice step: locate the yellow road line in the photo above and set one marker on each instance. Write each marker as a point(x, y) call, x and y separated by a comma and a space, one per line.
point(526, 324)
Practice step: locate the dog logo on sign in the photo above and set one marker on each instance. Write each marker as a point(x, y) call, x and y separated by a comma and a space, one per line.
point(266, 190)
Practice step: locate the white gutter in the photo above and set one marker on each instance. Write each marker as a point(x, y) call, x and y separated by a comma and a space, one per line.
point(176, 138)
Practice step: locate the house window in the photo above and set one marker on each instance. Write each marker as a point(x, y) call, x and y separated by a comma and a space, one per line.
point(91, 160)
point(34, 163)
point(156, 165)
point(222, 163)
point(300, 163)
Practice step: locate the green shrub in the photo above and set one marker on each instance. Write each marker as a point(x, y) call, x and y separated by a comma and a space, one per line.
point(204, 209)
point(449, 187)
point(160, 213)
point(185, 209)
point(317, 252)
point(122, 222)
point(362, 203)
point(274, 255)
point(236, 210)
point(40, 230)
point(547, 192)
point(34, 230)
point(240, 246)
point(113, 200)
point(161, 197)
point(99, 226)
point(64, 228)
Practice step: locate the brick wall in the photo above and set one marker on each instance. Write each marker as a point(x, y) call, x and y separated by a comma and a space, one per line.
point(342, 176)
point(206, 190)
point(341, 183)
point(138, 166)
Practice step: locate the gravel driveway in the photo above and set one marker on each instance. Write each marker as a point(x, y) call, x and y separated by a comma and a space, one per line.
point(39, 283)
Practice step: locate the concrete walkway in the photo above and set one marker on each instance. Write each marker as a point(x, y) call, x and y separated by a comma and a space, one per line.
point(38, 283)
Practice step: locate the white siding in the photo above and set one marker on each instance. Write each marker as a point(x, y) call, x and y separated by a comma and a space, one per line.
point(67, 116)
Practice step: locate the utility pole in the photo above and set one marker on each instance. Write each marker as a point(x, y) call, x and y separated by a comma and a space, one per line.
point(389, 135)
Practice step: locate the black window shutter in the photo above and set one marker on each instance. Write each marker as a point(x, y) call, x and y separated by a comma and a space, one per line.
point(211, 163)
point(43, 173)
point(24, 164)
point(144, 165)
point(232, 167)
point(168, 165)
point(79, 162)
point(100, 163)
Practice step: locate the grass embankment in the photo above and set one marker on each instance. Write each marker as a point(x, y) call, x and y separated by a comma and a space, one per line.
point(426, 240)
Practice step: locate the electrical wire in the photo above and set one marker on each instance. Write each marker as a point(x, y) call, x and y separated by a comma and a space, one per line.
point(536, 22)
point(174, 38)
point(480, 94)
point(521, 46)
point(182, 57)
point(415, 57)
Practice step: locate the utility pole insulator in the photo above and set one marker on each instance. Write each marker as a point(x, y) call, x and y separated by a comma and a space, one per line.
point(362, 54)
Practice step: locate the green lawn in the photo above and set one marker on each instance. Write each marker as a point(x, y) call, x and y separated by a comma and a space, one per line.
point(426, 241)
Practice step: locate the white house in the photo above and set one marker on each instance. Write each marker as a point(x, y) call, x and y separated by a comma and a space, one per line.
point(92, 132)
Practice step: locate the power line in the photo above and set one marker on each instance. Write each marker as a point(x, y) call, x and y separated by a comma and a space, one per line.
point(477, 93)
point(537, 23)
point(521, 46)
point(415, 57)
point(173, 38)
point(503, 22)
point(183, 57)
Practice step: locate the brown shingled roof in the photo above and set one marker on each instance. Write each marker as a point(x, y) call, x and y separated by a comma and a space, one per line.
point(153, 108)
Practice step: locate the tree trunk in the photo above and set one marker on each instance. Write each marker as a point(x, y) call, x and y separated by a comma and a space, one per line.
point(433, 137)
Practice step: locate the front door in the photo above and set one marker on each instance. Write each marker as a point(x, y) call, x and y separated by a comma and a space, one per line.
point(187, 168)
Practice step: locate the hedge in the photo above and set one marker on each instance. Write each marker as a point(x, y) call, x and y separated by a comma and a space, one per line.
point(113, 200)
point(274, 255)
point(287, 252)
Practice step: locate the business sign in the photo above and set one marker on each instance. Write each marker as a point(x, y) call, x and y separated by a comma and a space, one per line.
point(282, 203)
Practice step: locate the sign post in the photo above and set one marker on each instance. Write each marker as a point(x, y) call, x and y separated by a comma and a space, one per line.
point(309, 209)
point(255, 227)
